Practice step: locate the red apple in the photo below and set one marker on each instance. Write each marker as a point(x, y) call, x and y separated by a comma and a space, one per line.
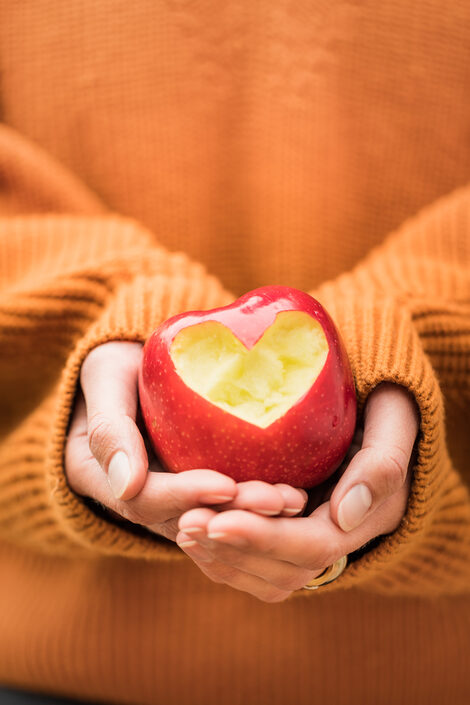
point(261, 389)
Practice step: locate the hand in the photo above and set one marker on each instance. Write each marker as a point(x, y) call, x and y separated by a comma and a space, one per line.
point(109, 459)
point(271, 557)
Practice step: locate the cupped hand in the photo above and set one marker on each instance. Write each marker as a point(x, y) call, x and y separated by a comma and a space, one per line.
point(271, 557)
point(108, 456)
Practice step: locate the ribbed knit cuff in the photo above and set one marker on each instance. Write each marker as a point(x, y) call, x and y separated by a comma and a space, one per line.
point(383, 346)
point(137, 308)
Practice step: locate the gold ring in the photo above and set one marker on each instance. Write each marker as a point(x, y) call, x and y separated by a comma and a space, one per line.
point(329, 574)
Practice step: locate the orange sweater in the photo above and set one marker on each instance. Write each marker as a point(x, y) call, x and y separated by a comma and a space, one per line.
point(274, 143)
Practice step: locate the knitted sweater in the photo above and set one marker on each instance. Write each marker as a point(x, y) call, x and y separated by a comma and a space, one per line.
point(157, 157)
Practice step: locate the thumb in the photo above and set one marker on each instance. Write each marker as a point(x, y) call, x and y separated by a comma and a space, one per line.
point(379, 469)
point(109, 382)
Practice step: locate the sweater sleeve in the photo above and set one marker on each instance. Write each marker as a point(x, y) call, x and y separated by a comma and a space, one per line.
point(68, 284)
point(404, 313)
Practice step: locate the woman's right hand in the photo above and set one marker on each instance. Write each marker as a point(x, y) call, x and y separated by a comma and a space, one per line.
point(107, 459)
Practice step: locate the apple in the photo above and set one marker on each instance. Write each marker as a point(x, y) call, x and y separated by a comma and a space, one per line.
point(260, 389)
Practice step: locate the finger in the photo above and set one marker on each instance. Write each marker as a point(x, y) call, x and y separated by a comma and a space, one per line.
point(168, 495)
point(163, 497)
point(266, 499)
point(225, 574)
point(194, 522)
point(238, 580)
point(295, 499)
point(109, 382)
point(313, 542)
point(303, 541)
point(280, 574)
point(380, 468)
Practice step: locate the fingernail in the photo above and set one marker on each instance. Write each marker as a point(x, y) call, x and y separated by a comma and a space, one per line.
point(215, 498)
point(268, 512)
point(193, 530)
point(119, 474)
point(291, 510)
point(196, 551)
point(353, 507)
point(187, 544)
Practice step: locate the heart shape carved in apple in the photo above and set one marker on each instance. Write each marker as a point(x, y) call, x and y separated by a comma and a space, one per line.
point(260, 389)
point(258, 384)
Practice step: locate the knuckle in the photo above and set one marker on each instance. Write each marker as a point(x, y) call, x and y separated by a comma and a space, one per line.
point(170, 527)
point(324, 554)
point(100, 434)
point(137, 517)
point(140, 511)
point(322, 559)
point(173, 491)
point(394, 466)
point(132, 514)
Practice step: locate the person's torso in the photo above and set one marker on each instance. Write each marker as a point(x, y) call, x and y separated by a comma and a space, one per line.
point(276, 143)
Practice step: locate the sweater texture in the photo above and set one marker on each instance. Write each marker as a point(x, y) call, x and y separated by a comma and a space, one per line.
point(157, 157)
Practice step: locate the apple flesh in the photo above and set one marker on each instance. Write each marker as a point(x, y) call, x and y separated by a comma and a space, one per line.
point(261, 389)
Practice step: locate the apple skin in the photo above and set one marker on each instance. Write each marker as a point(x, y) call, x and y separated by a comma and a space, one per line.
point(302, 448)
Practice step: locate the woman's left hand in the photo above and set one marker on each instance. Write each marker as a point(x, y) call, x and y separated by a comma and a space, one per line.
point(271, 557)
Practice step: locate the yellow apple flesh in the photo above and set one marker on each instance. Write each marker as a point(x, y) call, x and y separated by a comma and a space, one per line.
point(257, 385)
